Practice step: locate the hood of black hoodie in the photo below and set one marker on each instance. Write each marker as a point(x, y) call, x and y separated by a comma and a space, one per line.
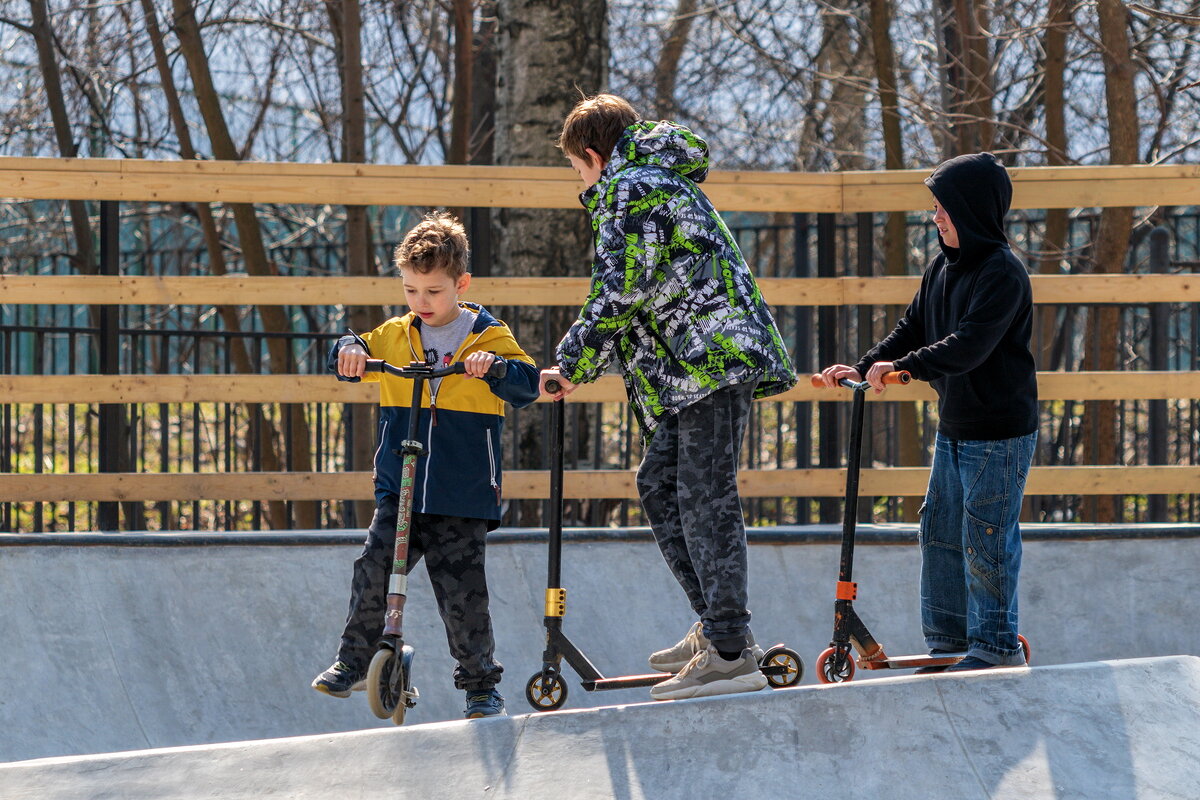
point(975, 192)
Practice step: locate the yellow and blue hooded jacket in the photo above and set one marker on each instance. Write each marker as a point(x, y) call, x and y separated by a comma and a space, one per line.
point(461, 420)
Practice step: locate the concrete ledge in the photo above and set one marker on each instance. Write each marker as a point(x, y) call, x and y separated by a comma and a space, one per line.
point(1118, 729)
point(888, 533)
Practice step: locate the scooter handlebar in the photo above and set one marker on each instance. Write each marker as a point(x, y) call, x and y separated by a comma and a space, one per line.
point(417, 369)
point(552, 386)
point(896, 376)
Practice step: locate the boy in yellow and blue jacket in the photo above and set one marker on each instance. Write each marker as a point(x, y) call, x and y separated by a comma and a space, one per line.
point(457, 491)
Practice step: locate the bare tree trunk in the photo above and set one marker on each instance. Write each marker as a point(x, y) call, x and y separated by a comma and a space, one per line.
point(1060, 18)
point(464, 59)
point(84, 257)
point(967, 92)
point(666, 70)
point(43, 38)
point(345, 20)
point(895, 232)
point(541, 41)
point(1112, 241)
point(240, 356)
point(249, 237)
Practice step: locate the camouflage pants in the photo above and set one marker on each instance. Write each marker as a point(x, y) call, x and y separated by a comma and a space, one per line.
point(453, 548)
point(688, 484)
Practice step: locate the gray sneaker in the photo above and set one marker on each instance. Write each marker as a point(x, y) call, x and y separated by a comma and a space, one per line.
point(676, 657)
point(694, 641)
point(708, 674)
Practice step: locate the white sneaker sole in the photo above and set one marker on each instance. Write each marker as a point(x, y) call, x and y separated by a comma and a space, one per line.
point(742, 683)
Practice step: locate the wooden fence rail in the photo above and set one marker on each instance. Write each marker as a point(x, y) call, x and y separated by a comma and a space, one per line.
point(558, 187)
point(65, 389)
point(294, 291)
point(578, 484)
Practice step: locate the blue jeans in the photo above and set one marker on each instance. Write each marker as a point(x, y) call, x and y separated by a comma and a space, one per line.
point(971, 547)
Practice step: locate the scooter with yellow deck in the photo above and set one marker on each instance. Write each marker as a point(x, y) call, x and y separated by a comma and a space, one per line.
point(547, 690)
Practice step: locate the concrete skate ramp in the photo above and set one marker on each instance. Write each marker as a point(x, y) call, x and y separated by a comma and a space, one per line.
point(152, 641)
point(1120, 729)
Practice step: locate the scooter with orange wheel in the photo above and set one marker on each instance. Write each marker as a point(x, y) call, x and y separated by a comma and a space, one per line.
point(547, 690)
point(837, 664)
point(389, 688)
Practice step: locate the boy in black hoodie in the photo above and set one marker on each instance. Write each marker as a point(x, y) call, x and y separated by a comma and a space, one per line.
point(967, 332)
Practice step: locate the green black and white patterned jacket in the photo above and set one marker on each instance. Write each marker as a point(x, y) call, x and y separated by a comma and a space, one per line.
point(671, 296)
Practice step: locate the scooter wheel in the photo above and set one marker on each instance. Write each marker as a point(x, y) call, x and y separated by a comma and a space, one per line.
point(546, 692)
point(827, 670)
point(1025, 646)
point(385, 688)
point(783, 666)
point(409, 694)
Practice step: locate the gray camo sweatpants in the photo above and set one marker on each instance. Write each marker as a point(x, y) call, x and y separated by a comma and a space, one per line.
point(688, 484)
point(453, 548)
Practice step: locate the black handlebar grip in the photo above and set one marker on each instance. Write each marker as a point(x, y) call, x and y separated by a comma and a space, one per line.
point(552, 386)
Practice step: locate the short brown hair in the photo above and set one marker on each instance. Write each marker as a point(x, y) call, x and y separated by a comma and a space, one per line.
point(597, 123)
point(439, 241)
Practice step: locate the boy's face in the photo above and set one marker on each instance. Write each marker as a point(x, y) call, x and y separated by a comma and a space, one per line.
point(433, 295)
point(945, 227)
point(589, 167)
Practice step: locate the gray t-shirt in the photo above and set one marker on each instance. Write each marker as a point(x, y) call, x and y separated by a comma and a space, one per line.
point(441, 343)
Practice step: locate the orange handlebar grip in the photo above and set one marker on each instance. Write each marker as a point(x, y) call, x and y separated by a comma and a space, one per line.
point(816, 381)
point(900, 376)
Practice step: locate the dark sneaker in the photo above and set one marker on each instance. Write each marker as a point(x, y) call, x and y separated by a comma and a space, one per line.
point(937, 668)
point(708, 674)
point(484, 703)
point(339, 680)
point(971, 664)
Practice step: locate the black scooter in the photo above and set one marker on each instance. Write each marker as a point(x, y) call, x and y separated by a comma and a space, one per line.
point(390, 692)
point(547, 690)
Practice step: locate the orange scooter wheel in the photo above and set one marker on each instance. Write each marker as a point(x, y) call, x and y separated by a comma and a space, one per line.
point(827, 668)
point(1025, 646)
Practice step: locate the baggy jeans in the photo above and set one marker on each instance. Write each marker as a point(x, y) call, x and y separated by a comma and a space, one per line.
point(453, 548)
point(688, 486)
point(971, 547)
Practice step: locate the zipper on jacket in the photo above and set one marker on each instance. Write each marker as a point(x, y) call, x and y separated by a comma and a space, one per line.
point(382, 444)
point(492, 466)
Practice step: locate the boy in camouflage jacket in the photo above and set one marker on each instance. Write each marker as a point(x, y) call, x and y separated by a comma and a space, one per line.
point(674, 302)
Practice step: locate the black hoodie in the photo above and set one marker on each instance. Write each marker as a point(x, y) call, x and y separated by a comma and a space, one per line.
point(967, 330)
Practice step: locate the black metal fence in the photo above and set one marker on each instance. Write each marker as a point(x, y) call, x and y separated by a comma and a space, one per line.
point(170, 437)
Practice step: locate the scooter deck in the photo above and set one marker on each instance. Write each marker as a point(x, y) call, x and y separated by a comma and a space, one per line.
point(625, 681)
point(911, 662)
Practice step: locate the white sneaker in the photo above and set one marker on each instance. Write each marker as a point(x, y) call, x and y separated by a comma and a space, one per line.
point(708, 674)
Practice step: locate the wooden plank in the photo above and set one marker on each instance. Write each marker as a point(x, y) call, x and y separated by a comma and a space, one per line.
point(63, 389)
point(559, 187)
point(328, 291)
point(1036, 187)
point(582, 484)
point(475, 186)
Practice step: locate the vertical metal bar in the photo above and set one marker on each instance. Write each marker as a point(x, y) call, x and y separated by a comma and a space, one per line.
point(108, 514)
point(1160, 258)
point(865, 261)
point(802, 320)
point(827, 349)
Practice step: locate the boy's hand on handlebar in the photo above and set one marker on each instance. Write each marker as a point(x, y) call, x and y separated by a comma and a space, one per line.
point(831, 375)
point(477, 364)
point(876, 372)
point(352, 361)
point(565, 387)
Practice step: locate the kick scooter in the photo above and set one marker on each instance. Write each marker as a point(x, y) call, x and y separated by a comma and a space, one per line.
point(547, 690)
point(390, 692)
point(836, 664)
